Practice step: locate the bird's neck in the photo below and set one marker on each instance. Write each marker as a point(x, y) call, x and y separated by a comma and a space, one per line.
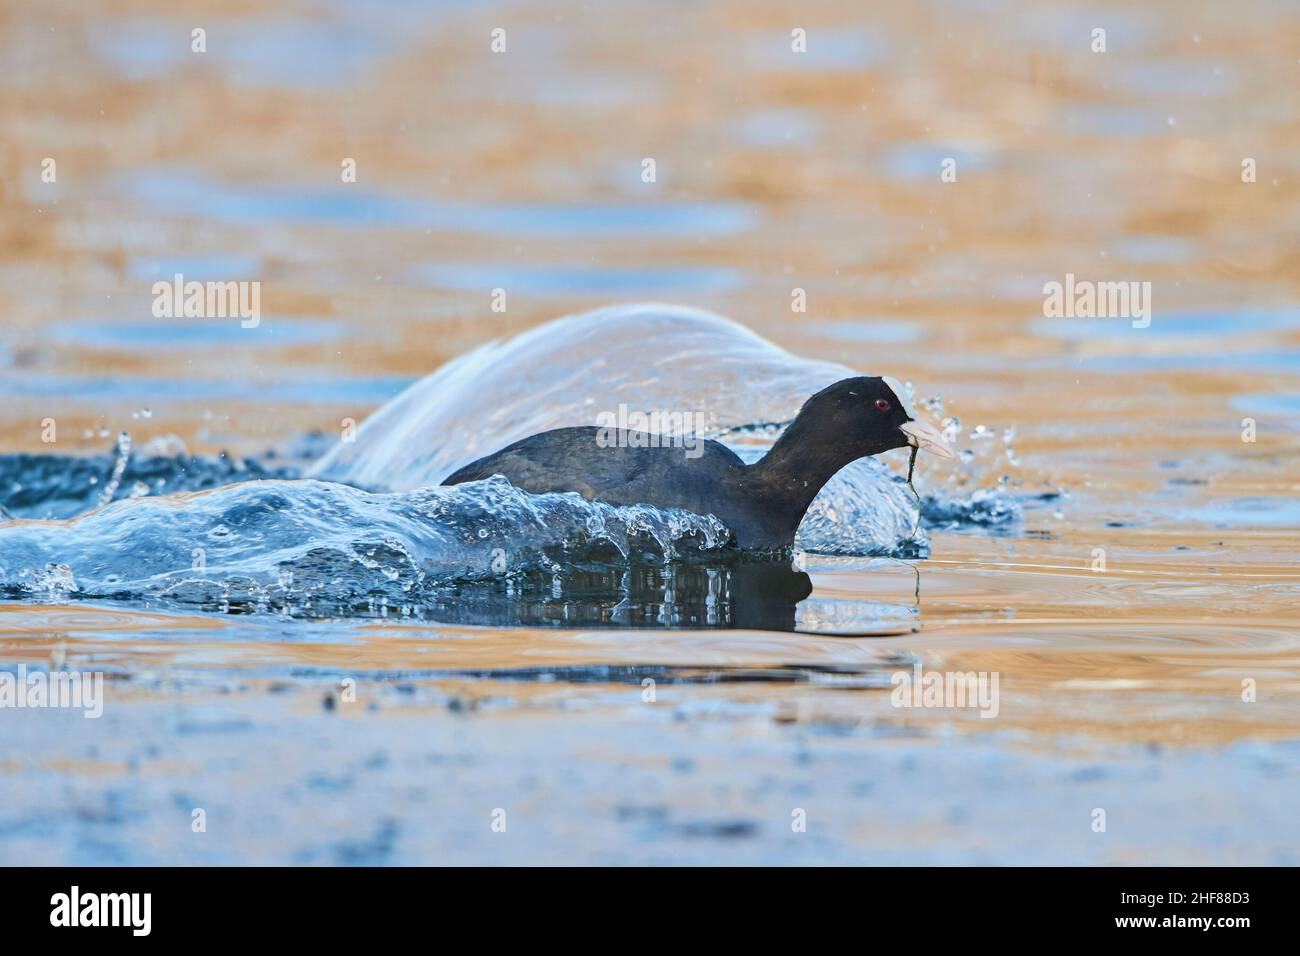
point(792, 473)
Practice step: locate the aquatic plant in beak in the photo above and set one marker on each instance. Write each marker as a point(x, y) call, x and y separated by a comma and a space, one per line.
point(911, 469)
point(920, 434)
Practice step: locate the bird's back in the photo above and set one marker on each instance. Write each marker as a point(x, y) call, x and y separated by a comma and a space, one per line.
point(616, 466)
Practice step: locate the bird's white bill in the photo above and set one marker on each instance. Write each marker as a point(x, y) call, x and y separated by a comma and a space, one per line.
point(926, 437)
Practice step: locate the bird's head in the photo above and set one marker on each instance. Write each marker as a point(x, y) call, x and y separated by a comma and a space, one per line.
point(873, 414)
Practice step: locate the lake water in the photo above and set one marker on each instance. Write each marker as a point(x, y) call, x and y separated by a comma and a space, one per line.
point(338, 662)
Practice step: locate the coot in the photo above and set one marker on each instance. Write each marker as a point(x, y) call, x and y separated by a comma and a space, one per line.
point(761, 503)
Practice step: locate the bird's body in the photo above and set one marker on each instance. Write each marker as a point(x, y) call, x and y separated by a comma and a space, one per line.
point(762, 503)
point(630, 470)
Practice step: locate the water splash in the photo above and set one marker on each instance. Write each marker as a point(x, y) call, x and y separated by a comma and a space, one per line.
point(119, 469)
point(371, 530)
point(563, 373)
point(63, 486)
point(276, 545)
point(649, 358)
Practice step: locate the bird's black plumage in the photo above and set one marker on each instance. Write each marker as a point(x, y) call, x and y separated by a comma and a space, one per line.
point(761, 503)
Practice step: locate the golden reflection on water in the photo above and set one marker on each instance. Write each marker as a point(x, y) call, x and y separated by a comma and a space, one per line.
point(818, 172)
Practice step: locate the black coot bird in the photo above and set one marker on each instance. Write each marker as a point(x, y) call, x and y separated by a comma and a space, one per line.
point(761, 503)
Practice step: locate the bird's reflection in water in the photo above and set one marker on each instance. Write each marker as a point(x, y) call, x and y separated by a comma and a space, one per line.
point(757, 593)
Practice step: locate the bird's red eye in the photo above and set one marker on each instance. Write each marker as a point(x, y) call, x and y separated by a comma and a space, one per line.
point(882, 404)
